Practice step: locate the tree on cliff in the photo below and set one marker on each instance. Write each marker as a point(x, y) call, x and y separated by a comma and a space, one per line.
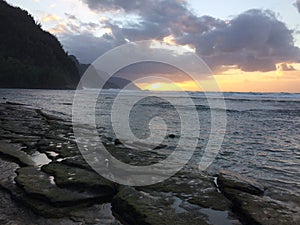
point(31, 57)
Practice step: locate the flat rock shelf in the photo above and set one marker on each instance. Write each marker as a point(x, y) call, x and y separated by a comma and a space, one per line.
point(45, 180)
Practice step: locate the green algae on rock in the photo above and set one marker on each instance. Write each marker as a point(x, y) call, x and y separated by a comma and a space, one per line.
point(80, 179)
point(139, 208)
point(38, 184)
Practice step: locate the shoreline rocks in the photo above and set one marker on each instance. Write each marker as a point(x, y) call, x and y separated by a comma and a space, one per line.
point(81, 179)
point(65, 187)
point(138, 208)
point(228, 179)
point(251, 204)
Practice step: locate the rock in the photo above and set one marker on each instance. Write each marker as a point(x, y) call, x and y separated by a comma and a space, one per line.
point(251, 206)
point(14, 152)
point(80, 179)
point(83, 213)
point(7, 176)
point(253, 209)
point(160, 146)
point(117, 142)
point(198, 189)
point(96, 214)
point(172, 136)
point(39, 185)
point(77, 161)
point(227, 179)
point(13, 103)
point(12, 212)
point(184, 195)
point(140, 208)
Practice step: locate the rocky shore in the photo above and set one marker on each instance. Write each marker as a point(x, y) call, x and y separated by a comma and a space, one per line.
point(44, 180)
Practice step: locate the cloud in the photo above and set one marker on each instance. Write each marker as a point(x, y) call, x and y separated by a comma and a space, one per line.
point(50, 18)
point(297, 5)
point(144, 69)
point(112, 5)
point(285, 67)
point(60, 29)
point(71, 17)
point(85, 46)
point(69, 25)
point(252, 41)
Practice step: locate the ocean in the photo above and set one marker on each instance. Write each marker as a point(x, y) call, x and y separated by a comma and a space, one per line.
point(261, 139)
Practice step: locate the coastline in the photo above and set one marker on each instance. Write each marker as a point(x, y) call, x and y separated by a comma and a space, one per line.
point(42, 169)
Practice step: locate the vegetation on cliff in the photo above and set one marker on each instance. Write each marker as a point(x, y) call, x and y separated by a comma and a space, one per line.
point(31, 57)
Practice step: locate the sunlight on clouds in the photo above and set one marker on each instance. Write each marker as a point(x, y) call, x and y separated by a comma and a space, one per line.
point(235, 80)
point(162, 86)
point(107, 30)
point(50, 17)
point(155, 86)
point(169, 40)
point(59, 29)
point(273, 81)
point(103, 19)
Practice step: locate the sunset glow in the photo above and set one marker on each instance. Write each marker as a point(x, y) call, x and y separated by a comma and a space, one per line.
point(235, 80)
point(161, 86)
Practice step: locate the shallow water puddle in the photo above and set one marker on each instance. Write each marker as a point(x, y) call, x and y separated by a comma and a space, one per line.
point(217, 217)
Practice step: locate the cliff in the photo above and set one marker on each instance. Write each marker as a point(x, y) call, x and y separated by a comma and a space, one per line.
point(31, 57)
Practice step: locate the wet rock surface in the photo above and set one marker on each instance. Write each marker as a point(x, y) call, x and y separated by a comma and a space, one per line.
point(136, 207)
point(14, 153)
point(182, 199)
point(81, 179)
point(252, 204)
point(41, 186)
point(228, 179)
point(29, 140)
point(254, 209)
point(198, 189)
point(45, 180)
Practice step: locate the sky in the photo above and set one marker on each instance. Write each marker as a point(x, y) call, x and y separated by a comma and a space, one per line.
point(249, 45)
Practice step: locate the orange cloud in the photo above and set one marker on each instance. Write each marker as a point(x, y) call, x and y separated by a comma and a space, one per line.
point(59, 29)
point(169, 40)
point(50, 18)
point(273, 81)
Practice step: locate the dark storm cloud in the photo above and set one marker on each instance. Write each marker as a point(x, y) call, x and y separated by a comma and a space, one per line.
point(253, 41)
point(158, 18)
